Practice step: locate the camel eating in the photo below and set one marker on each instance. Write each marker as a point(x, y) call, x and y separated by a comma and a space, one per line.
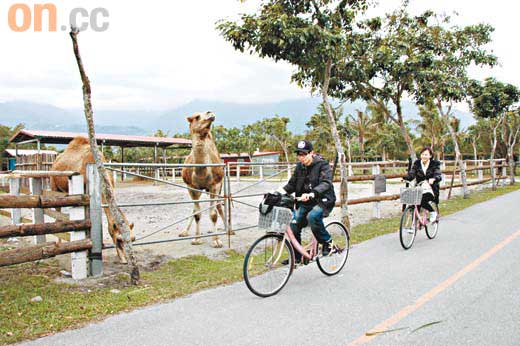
point(75, 158)
point(210, 179)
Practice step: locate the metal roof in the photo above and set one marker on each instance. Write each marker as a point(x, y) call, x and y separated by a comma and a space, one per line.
point(58, 137)
point(265, 153)
point(24, 152)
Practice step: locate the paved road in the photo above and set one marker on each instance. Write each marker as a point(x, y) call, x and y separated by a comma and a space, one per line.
point(462, 286)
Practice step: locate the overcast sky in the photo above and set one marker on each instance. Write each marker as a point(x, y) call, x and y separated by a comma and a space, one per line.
point(160, 54)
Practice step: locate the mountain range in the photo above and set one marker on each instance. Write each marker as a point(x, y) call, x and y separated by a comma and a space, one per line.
point(38, 116)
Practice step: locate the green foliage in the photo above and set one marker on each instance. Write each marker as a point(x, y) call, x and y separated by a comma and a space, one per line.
point(306, 34)
point(493, 98)
point(319, 131)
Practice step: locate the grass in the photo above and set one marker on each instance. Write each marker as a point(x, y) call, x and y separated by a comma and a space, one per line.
point(64, 306)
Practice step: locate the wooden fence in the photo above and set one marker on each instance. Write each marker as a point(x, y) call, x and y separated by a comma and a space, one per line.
point(76, 230)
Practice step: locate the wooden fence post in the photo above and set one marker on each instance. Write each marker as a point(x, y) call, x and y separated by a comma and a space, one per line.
point(376, 170)
point(480, 175)
point(238, 173)
point(156, 175)
point(14, 189)
point(95, 215)
point(78, 259)
point(504, 174)
point(173, 175)
point(443, 193)
point(261, 172)
point(114, 177)
point(36, 188)
point(462, 165)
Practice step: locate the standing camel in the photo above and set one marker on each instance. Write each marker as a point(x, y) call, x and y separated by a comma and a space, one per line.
point(203, 151)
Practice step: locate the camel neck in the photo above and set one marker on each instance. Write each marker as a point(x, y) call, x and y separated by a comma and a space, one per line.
point(200, 154)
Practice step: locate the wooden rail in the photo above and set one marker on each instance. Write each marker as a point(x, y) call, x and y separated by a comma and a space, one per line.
point(43, 228)
point(9, 201)
point(42, 251)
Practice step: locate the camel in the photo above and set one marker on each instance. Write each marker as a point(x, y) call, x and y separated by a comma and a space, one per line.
point(75, 158)
point(203, 151)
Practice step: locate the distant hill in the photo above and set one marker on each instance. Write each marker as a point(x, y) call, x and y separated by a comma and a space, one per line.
point(39, 116)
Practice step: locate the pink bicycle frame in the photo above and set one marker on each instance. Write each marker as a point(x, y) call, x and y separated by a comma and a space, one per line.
point(313, 246)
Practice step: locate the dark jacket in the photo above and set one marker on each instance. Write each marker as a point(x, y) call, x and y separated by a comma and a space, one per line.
point(433, 171)
point(315, 178)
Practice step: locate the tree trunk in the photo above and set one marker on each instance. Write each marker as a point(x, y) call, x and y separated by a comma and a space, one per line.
point(474, 144)
point(458, 156)
point(511, 160)
point(349, 156)
point(108, 193)
point(492, 162)
point(404, 131)
point(339, 147)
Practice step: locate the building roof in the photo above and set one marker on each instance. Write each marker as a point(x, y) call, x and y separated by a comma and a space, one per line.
point(58, 137)
point(265, 153)
point(24, 152)
point(233, 155)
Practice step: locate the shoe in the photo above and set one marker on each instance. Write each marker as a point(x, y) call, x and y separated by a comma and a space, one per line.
point(326, 248)
point(433, 217)
point(286, 262)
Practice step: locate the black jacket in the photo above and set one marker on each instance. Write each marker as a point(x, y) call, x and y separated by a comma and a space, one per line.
point(315, 178)
point(433, 171)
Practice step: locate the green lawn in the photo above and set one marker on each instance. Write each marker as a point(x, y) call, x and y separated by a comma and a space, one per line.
point(66, 306)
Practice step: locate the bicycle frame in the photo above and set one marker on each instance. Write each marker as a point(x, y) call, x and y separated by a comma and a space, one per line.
point(308, 251)
point(423, 221)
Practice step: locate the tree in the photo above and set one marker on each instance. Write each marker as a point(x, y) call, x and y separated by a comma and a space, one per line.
point(474, 133)
point(447, 81)
point(363, 125)
point(431, 127)
point(107, 190)
point(275, 129)
point(510, 131)
point(388, 55)
point(319, 131)
point(311, 35)
point(492, 101)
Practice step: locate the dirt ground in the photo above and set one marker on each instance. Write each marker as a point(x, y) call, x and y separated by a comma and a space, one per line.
point(154, 223)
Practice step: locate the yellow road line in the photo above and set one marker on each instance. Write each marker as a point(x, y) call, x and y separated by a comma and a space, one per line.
point(433, 292)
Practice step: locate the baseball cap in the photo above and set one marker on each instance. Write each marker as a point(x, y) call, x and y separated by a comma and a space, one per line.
point(303, 147)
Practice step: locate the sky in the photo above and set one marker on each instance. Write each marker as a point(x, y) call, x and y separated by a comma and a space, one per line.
point(161, 54)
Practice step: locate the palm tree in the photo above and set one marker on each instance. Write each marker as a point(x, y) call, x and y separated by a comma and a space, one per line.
point(364, 125)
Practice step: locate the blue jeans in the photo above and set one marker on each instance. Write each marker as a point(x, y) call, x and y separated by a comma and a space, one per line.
point(312, 216)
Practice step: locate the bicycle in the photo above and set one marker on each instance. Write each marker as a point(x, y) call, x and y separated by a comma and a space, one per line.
point(265, 274)
point(412, 220)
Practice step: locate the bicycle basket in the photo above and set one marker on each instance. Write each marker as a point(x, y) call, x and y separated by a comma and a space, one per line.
point(277, 220)
point(411, 195)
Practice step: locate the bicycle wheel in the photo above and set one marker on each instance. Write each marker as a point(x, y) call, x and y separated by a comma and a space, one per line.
point(332, 264)
point(264, 273)
point(431, 232)
point(407, 228)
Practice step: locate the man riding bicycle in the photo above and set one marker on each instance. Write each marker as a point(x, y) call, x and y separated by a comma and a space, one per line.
point(312, 182)
point(429, 170)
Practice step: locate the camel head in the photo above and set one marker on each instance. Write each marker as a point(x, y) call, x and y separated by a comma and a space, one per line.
point(200, 123)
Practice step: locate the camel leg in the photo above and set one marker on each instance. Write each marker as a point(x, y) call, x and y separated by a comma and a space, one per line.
point(186, 231)
point(194, 196)
point(214, 217)
point(196, 208)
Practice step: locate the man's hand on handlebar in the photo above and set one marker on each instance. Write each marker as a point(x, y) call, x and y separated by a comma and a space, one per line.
point(305, 197)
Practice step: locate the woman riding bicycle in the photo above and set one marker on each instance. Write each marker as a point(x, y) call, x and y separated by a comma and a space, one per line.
point(428, 170)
